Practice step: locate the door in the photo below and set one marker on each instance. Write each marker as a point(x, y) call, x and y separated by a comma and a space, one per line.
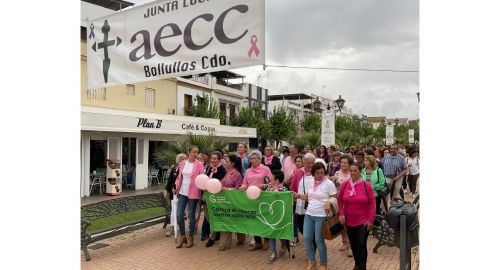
point(141, 171)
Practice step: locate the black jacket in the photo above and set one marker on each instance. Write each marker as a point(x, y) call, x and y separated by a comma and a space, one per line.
point(221, 172)
point(275, 164)
point(171, 181)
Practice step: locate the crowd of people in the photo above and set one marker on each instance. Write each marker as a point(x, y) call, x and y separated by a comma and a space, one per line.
point(358, 182)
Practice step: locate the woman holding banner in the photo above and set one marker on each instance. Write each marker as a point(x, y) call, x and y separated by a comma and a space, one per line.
point(256, 175)
point(231, 180)
point(188, 194)
point(215, 170)
point(318, 198)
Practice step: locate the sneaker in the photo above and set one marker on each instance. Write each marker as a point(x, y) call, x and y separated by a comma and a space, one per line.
point(272, 258)
point(170, 230)
point(406, 191)
point(252, 242)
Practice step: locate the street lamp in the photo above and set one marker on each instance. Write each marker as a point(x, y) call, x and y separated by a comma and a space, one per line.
point(418, 96)
point(396, 121)
point(317, 105)
point(340, 103)
point(328, 106)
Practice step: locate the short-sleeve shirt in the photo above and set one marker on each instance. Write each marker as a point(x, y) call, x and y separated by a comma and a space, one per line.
point(305, 183)
point(319, 197)
point(186, 180)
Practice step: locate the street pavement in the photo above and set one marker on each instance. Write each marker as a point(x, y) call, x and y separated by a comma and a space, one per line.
point(149, 248)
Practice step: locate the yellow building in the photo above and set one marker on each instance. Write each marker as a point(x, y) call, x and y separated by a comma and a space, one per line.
point(128, 122)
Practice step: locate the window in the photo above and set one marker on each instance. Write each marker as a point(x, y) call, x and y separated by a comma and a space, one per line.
point(264, 113)
point(130, 89)
point(98, 93)
point(232, 147)
point(222, 107)
point(188, 101)
point(149, 97)
point(259, 93)
point(232, 110)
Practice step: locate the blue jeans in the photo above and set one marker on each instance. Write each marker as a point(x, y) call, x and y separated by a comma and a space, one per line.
point(313, 232)
point(181, 208)
point(272, 243)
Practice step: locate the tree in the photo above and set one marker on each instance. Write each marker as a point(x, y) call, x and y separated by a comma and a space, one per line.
point(282, 125)
point(169, 150)
point(311, 123)
point(252, 117)
point(205, 107)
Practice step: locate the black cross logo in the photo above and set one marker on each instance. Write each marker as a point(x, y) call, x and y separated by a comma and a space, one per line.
point(106, 63)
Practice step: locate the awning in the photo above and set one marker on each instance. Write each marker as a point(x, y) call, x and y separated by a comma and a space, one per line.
point(112, 120)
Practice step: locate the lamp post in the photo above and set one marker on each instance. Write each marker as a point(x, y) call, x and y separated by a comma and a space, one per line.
point(418, 96)
point(396, 121)
point(340, 104)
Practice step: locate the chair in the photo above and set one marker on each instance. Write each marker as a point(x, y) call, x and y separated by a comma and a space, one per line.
point(153, 174)
point(96, 180)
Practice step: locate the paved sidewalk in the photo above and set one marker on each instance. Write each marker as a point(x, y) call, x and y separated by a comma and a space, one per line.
point(150, 249)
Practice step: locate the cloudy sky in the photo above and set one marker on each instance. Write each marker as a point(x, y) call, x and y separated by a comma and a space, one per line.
point(371, 34)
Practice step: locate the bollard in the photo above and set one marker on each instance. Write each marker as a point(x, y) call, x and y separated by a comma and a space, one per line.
point(404, 245)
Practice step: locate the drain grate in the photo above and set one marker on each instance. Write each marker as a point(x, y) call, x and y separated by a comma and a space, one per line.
point(98, 246)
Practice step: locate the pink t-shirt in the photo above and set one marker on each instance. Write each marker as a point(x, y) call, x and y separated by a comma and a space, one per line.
point(288, 166)
point(255, 176)
point(232, 179)
point(359, 208)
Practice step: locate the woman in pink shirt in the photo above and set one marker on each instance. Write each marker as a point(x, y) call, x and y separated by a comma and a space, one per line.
point(231, 180)
point(256, 176)
point(338, 178)
point(356, 201)
point(188, 194)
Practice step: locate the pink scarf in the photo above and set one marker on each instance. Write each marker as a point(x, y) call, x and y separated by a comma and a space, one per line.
point(353, 186)
point(343, 177)
point(317, 183)
point(268, 160)
point(304, 171)
point(214, 169)
point(256, 169)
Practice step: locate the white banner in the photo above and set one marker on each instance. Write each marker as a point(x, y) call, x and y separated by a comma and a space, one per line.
point(411, 135)
point(389, 134)
point(328, 128)
point(165, 39)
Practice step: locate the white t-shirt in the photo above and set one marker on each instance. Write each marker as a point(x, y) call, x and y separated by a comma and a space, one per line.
point(318, 198)
point(413, 164)
point(308, 183)
point(186, 178)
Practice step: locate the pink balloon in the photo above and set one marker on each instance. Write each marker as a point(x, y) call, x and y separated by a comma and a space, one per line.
point(214, 186)
point(201, 181)
point(253, 192)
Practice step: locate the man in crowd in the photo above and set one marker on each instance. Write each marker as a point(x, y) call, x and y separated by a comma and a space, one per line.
point(394, 171)
point(289, 167)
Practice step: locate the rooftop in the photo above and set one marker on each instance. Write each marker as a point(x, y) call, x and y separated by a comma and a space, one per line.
point(110, 4)
point(289, 97)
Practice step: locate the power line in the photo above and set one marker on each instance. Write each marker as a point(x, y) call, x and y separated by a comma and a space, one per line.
point(347, 69)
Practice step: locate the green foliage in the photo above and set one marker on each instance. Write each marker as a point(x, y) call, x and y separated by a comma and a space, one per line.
point(311, 123)
point(205, 107)
point(281, 124)
point(169, 150)
point(109, 222)
point(252, 117)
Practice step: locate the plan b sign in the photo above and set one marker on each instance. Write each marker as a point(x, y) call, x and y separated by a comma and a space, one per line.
point(165, 39)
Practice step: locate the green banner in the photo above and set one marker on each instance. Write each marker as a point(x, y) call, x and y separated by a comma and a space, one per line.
point(270, 215)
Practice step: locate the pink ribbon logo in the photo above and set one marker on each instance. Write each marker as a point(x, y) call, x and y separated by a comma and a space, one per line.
point(254, 48)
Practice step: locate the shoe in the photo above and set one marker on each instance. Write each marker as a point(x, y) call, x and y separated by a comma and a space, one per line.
point(189, 242)
point(170, 231)
point(272, 258)
point(265, 245)
point(406, 191)
point(239, 243)
point(252, 242)
point(322, 267)
point(282, 252)
point(203, 238)
point(311, 265)
point(349, 253)
point(210, 243)
point(255, 247)
point(180, 241)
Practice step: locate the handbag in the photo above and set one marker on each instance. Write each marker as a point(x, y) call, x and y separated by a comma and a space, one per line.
point(385, 191)
point(332, 227)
